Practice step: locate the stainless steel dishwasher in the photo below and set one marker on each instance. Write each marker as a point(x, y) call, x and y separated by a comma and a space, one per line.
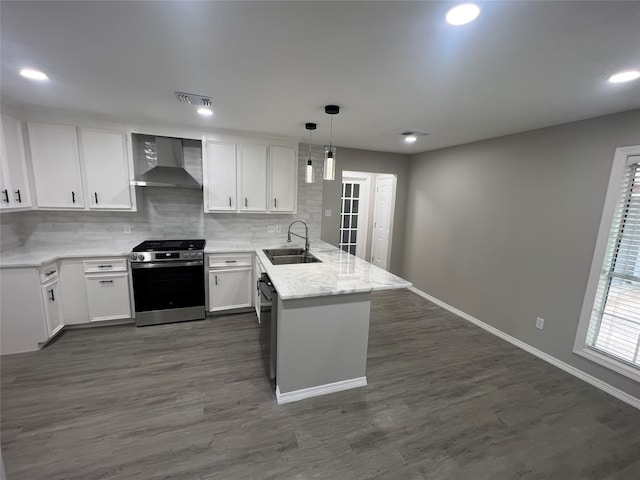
point(268, 324)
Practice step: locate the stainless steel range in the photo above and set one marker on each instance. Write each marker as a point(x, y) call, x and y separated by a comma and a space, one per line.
point(168, 281)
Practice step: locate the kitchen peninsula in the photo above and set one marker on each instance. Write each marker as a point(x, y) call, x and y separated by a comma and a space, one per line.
point(323, 321)
point(323, 308)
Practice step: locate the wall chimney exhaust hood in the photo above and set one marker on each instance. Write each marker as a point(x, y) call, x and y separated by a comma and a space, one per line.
point(160, 161)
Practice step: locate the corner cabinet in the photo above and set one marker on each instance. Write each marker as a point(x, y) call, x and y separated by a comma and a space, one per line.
point(52, 310)
point(14, 189)
point(56, 166)
point(245, 177)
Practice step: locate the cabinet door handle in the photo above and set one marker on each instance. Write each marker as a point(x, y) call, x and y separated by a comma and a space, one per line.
point(106, 281)
point(231, 261)
point(95, 194)
point(105, 266)
point(275, 203)
point(73, 197)
point(48, 274)
point(5, 192)
point(19, 199)
point(246, 203)
point(51, 295)
point(216, 277)
point(229, 201)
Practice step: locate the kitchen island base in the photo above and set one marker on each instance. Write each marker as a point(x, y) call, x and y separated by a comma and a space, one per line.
point(322, 345)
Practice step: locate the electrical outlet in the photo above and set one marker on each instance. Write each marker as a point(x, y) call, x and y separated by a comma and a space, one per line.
point(270, 229)
point(540, 323)
point(278, 228)
point(127, 229)
point(328, 213)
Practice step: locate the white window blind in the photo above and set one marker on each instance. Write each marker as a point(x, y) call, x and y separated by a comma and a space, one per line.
point(614, 328)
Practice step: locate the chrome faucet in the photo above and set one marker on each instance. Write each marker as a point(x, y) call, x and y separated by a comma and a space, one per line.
point(306, 234)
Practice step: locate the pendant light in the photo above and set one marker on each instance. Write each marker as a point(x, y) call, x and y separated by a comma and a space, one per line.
point(309, 177)
point(330, 151)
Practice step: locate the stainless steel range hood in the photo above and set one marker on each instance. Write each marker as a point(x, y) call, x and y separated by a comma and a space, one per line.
point(160, 162)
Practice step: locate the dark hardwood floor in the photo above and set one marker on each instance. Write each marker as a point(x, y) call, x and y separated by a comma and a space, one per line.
point(189, 401)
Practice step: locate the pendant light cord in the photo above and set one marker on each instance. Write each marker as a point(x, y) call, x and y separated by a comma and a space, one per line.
point(330, 133)
point(309, 145)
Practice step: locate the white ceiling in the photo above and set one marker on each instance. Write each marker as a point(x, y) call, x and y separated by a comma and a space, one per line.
point(272, 66)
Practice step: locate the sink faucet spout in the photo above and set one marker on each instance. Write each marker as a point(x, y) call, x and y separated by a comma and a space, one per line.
point(306, 234)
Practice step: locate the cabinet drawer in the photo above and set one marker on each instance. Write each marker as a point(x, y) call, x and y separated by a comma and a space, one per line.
point(105, 265)
point(48, 273)
point(220, 260)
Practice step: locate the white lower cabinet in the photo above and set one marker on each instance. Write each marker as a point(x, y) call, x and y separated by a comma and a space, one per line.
point(229, 289)
point(258, 270)
point(108, 296)
point(73, 292)
point(229, 282)
point(52, 310)
point(107, 286)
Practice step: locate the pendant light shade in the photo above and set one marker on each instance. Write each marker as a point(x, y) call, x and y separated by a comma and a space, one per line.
point(329, 163)
point(309, 176)
point(330, 151)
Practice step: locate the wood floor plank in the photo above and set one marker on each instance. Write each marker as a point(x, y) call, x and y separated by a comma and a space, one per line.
point(189, 401)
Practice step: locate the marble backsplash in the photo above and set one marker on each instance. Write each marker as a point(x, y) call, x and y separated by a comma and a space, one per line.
point(163, 213)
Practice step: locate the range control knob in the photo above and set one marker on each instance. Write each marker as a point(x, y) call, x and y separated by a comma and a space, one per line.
point(133, 256)
point(141, 257)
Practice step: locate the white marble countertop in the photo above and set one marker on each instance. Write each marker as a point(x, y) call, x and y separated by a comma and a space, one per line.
point(37, 257)
point(337, 273)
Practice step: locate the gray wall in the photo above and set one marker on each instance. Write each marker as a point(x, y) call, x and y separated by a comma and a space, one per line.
point(163, 213)
point(504, 229)
point(374, 162)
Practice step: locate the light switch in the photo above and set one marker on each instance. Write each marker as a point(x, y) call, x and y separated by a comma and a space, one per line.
point(327, 213)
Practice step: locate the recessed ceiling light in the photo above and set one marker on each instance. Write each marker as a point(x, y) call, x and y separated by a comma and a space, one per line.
point(625, 76)
point(463, 13)
point(205, 112)
point(32, 74)
point(411, 136)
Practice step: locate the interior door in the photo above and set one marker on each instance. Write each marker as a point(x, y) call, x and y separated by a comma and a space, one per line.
point(383, 220)
point(354, 214)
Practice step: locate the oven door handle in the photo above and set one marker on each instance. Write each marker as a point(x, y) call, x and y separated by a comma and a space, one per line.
point(193, 263)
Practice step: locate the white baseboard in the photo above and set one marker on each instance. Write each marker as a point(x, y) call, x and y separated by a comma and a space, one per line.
point(301, 394)
point(596, 382)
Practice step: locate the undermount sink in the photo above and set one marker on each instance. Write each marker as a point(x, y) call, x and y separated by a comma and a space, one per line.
point(289, 256)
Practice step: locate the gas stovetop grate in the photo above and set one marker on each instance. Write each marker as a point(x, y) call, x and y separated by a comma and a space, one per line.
point(169, 245)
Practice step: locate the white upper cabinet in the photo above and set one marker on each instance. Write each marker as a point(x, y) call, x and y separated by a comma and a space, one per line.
point(104, 155)
point(220, 177)
point(14, 190)
point(246, 177)
point(282, 179)
point(252, 178)
point(56, 165)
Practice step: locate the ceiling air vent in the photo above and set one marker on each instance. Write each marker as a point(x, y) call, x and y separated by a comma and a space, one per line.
point(193, 99)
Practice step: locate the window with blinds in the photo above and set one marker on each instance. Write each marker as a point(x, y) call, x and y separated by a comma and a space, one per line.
point(614, 324)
